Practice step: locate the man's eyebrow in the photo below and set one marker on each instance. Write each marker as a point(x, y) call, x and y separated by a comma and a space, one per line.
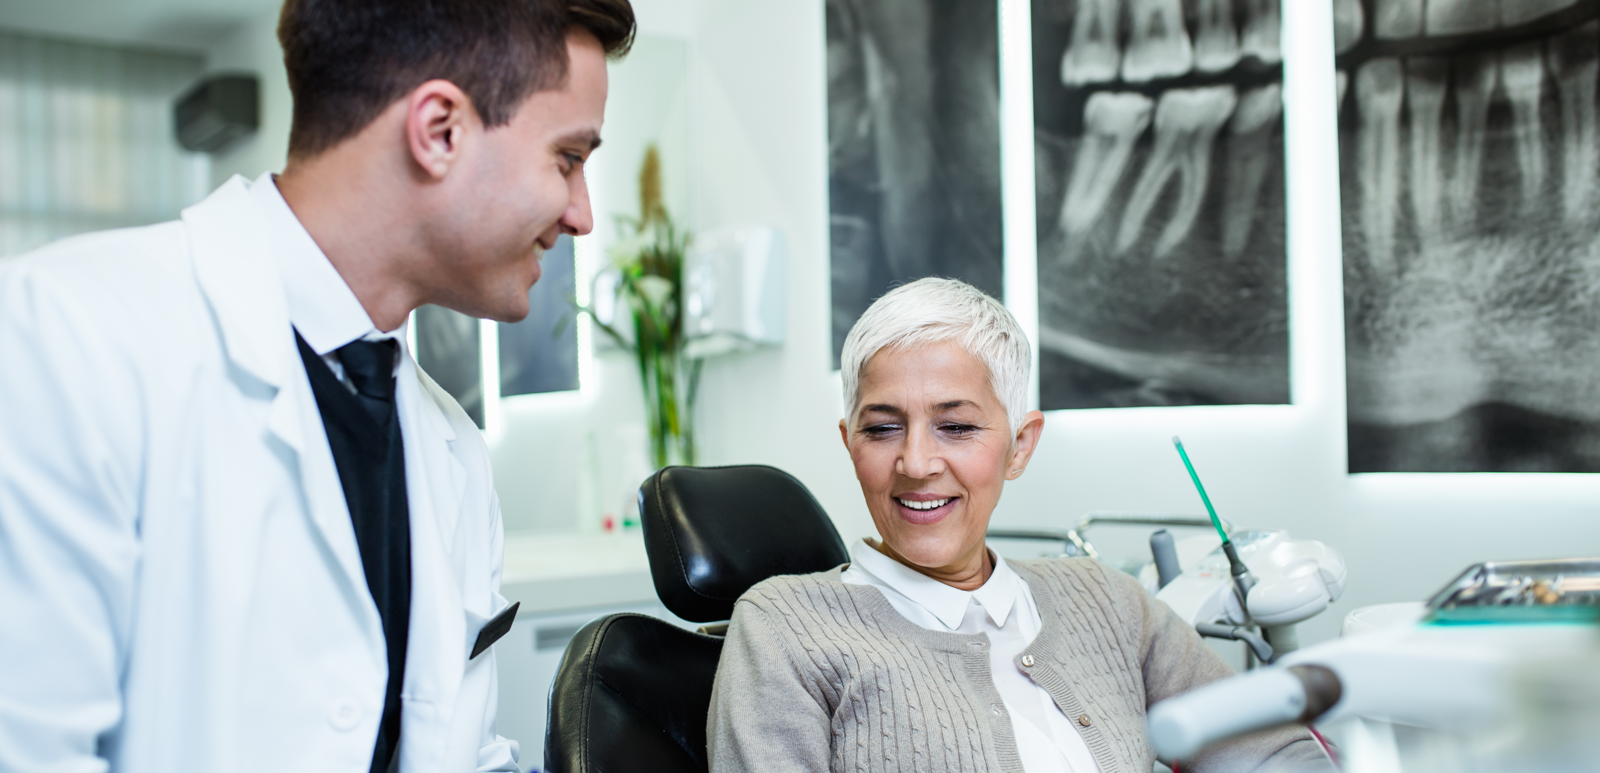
point(581, 137)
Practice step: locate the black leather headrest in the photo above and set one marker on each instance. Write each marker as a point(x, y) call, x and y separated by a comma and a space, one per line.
point(712, 532)
point(631, 696)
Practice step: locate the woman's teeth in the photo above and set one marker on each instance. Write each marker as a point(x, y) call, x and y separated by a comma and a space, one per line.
point(928, 505)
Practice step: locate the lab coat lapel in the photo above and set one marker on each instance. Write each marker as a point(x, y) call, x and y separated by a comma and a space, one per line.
point(436, 648)
point(432, 448)
point(239, 279)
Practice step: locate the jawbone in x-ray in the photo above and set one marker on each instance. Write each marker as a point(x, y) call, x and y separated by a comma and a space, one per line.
point(1160, 194)
point(1468, 156)
point(913, 148)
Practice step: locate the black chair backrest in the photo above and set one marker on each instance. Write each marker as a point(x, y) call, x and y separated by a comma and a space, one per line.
point(712, 532)
point(632, 692)
point(631, 695)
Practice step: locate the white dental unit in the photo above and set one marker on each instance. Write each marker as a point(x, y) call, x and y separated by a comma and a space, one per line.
point(1502, 674)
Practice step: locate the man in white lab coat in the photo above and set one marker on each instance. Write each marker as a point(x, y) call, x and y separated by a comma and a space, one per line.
point(239, 529)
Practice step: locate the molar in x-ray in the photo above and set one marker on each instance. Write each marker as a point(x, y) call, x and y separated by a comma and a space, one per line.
point(1469, 149)
point(1159, 150)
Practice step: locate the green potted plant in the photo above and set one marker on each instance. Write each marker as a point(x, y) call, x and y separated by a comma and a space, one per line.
point(647, 262)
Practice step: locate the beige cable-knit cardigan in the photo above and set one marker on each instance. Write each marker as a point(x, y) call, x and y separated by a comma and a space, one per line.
point(819, 675)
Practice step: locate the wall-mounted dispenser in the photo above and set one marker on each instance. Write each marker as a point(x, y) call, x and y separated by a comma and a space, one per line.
point(734, 290)
point(217, 111)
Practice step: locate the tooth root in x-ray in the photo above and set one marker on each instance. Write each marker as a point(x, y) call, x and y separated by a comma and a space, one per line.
point(1522, 72)
point(1112, 122)
point(1473, 77)
point(1379, 91)
point(1248, 135)
point(1575, 62)
point(1425, 90)
point(1186, 125)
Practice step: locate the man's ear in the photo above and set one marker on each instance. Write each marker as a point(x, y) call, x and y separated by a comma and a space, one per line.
point(439, 118)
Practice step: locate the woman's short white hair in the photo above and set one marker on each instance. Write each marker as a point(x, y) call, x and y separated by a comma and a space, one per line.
point(935, 310)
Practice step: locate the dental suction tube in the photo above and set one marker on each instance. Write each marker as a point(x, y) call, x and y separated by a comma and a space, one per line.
point(1262, 699)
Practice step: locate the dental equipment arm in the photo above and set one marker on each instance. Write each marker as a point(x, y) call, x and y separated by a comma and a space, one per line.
point(1262, 699)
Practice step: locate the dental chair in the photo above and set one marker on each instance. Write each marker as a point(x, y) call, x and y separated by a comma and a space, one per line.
point(632, 691)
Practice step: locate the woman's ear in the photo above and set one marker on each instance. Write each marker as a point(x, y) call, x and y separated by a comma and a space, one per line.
point(844, 434)
point(1026, 441)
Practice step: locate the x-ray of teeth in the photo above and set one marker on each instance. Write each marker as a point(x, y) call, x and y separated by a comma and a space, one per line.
point(540, 353)
point(1469, 149)
point(1159, 169)
point(913, 148)
point(448, 351)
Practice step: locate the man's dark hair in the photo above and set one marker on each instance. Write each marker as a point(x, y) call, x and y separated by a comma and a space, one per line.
point(350, 59)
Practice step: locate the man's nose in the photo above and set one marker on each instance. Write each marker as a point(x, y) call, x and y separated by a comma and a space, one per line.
point(578, 219)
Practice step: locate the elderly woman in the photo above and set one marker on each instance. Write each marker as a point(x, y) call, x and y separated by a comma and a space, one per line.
point(928, 651)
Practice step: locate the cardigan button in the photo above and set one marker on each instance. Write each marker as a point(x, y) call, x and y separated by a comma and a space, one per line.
point(1083, 719)
point(1027, 661)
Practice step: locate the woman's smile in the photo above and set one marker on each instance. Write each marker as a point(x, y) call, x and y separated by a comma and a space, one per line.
point(925, 508)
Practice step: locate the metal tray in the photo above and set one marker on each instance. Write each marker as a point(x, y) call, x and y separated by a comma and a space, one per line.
point(1560, 590)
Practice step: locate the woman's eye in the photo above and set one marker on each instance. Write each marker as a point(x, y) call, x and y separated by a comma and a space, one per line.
point(958, 429)
point(879, 430)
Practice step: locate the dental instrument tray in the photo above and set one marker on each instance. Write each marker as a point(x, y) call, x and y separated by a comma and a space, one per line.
point(1560, 590)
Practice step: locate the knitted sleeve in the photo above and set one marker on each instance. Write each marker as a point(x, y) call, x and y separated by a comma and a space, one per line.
point(1174, 660)
point(764, 714)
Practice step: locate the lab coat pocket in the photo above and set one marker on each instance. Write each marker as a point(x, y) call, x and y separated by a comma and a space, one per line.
point(483, 631)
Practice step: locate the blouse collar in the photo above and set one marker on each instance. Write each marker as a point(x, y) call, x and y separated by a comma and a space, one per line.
point(949, 604)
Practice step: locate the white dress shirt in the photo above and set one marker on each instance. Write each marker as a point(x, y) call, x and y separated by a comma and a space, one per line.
point(1004, 610)
point(321, 305)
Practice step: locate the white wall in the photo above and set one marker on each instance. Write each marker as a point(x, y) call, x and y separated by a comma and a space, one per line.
point(252, 47)
point(758, 156)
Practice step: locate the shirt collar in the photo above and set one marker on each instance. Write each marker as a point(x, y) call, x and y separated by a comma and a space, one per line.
point(321, 305)
point(998, 596)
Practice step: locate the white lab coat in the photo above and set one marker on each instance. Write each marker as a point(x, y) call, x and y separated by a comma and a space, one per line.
point(180, 587)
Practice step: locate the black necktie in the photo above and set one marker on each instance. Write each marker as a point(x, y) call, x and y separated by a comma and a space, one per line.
point(370, 367)
point(368, 448)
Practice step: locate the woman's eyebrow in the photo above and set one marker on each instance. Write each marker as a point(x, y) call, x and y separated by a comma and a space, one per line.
point(881, 408)
point(954, 404)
